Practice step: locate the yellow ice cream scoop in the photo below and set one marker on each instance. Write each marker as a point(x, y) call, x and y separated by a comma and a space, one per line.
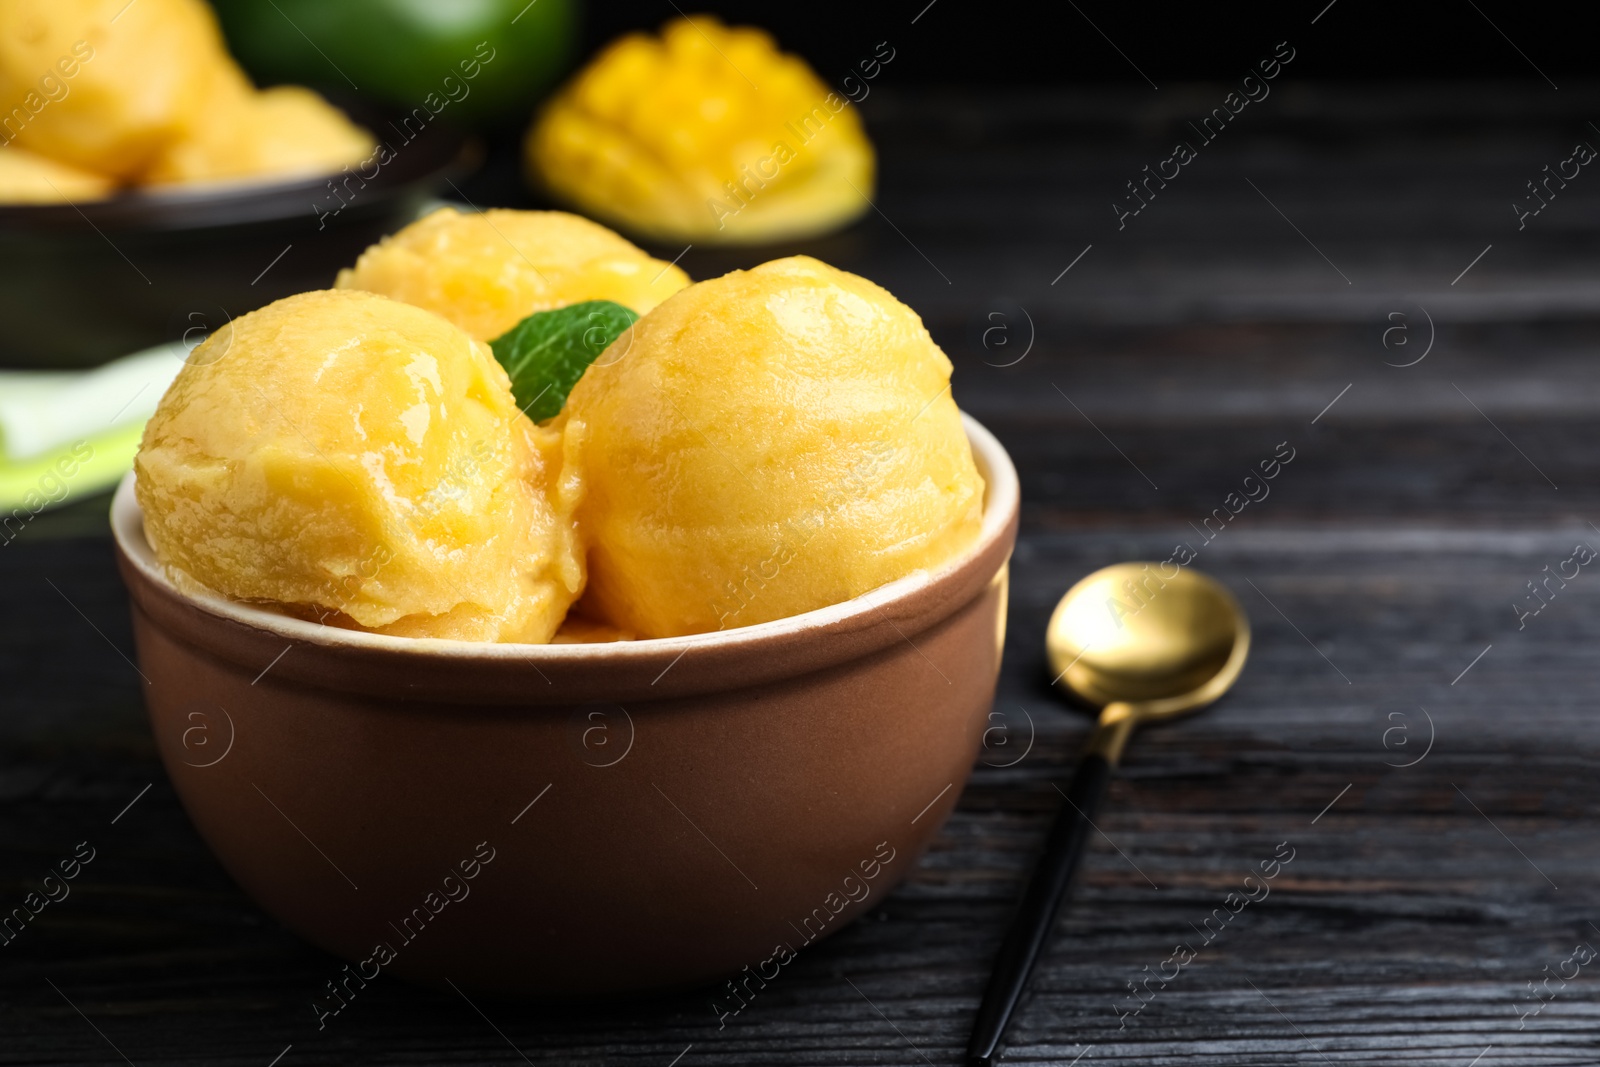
point(104, 84)
point(488, 271)
point(764, 444)
point(706, 134)
point(29, 179)
point(278, 132)
point(361, 461)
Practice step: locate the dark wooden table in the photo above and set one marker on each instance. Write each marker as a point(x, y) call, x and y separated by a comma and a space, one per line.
point(1432, 759)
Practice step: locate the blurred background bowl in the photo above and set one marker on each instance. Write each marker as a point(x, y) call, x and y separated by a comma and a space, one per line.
point(84, 283)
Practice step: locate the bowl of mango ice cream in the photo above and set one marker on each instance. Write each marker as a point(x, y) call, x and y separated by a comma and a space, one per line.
point(140, 165)
point(147, 93)
point(344, 532)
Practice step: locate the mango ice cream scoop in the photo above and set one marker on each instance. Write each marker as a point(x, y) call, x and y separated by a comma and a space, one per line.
point(357, 460)
point(763, 444)
point(487, 271)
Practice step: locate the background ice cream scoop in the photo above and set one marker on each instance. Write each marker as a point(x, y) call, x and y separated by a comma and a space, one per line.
point(767, 443)
point(488, 271)
point(26, 178)
point(278, 132)
point(362, 461)
point(147, 93)
point(106, 85)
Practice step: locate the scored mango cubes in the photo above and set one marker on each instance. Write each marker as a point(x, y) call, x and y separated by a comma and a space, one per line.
point(706, 134)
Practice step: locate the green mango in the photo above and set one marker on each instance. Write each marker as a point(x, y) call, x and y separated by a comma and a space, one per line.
point(498, 55)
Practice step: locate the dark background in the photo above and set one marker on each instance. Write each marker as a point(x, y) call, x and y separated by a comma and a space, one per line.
point(1012, 43)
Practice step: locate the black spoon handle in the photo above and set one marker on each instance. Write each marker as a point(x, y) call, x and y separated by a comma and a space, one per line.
point(1041, 901)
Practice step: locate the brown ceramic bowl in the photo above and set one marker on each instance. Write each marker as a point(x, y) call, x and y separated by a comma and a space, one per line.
point(657, 813)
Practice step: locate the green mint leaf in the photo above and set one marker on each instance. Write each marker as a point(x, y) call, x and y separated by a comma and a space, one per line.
point(546, 353)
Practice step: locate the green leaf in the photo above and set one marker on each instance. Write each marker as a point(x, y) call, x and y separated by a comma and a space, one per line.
point(546, 353)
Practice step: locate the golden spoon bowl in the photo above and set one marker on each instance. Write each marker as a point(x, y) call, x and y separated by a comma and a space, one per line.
point(1129, 636)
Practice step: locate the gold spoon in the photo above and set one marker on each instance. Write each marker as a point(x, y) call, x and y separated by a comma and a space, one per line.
point(1142, 647)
